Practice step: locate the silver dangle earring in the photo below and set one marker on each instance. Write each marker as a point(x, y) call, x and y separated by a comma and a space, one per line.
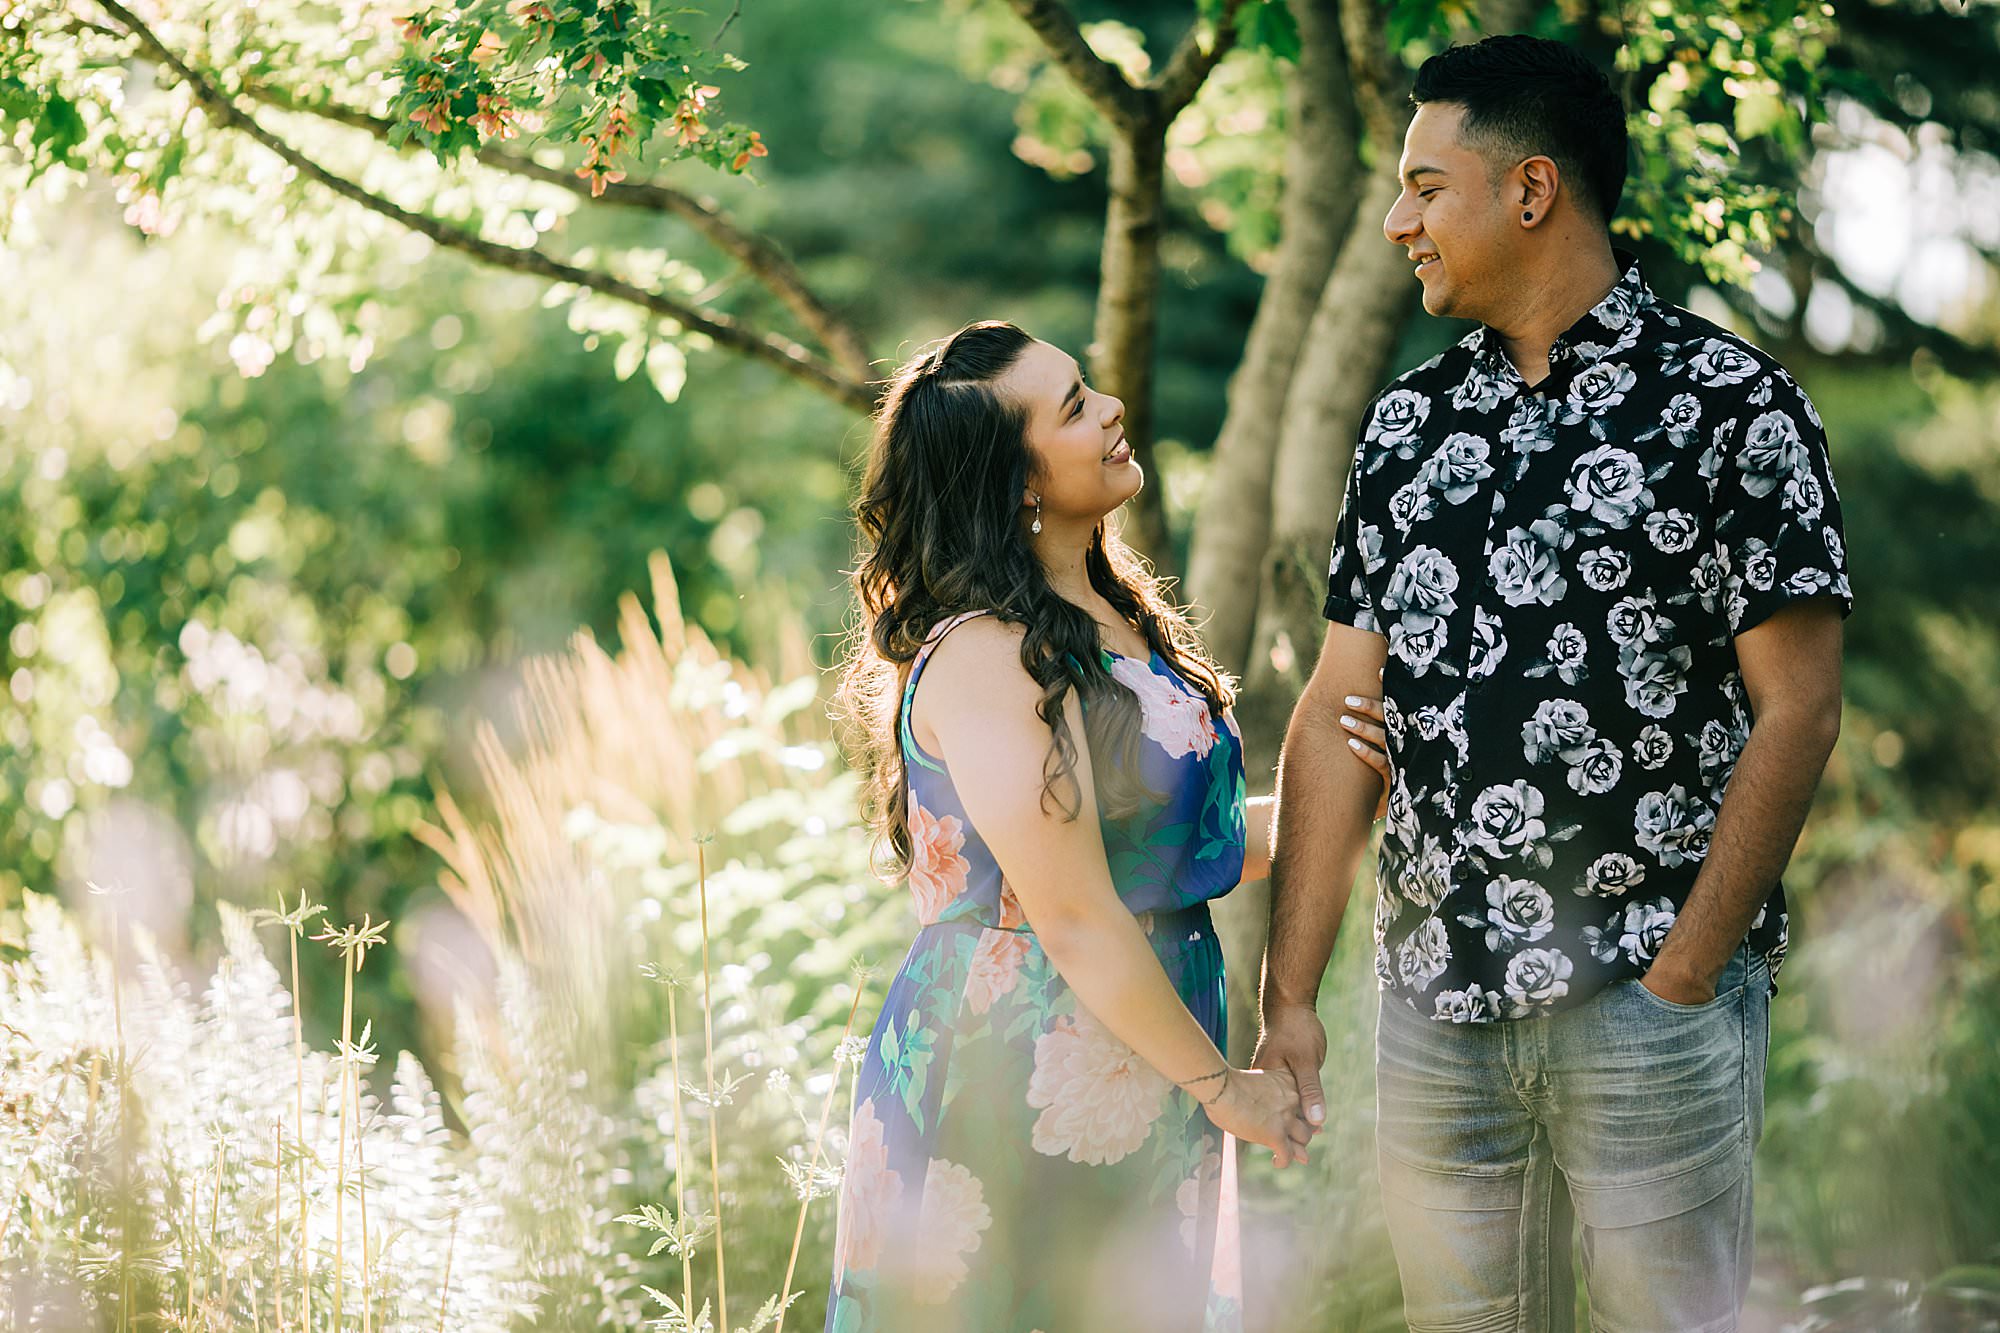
point(1036, 526)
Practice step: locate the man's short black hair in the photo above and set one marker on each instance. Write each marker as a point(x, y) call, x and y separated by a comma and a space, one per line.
point(1529, 96)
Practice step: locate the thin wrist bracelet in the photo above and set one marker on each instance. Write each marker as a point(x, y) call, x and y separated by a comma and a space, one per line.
point(1218, 1092)
point(1220, 1073)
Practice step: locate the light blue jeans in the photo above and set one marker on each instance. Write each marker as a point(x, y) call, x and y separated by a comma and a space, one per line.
point(1630, 1113)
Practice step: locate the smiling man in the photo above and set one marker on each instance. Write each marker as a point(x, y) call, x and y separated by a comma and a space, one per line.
point(1595, 552)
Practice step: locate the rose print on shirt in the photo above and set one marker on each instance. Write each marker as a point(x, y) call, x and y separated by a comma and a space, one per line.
point(1458, 467)
point(1673, 827)
point(1635, 930)
point(1611, 529)
point(1612, 875)
point(1596, 391)
point(1528, 567)
point(1422, 956)
point(1718, 363)
point(1771, 453)
point(1604, 569)
point(1609, 484)
point(1518, 911)
point(1671, 530)
point(1538, 976)
point(1398, 417)
point(1489, 645)
point(1506, 819)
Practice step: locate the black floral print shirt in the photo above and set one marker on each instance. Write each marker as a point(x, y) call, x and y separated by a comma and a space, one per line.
point(1560, 572)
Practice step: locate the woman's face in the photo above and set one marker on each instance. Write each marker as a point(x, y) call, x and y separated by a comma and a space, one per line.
point(1083, 465)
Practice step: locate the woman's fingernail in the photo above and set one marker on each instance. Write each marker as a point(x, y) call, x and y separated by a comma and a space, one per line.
point(1346, 721)
point(1355, 742)
point(1354, 701)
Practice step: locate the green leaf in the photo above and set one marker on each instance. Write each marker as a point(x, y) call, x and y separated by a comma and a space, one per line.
point(1760, 114)
point(1268, 25)
point(60, 128)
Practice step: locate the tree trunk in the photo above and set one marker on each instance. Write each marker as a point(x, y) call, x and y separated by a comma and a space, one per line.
point(1502, 16)
point(1128, 307)
point(1347, 353)
point(1347, 350)
point(1231, 533)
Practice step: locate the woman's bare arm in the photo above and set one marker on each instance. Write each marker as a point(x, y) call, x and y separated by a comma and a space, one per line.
point(979, 703)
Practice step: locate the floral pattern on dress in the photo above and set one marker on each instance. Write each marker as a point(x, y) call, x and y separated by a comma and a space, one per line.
point(937, 870)
point(1560, 572)
point(1006, 1148)
point(1098, 1099)
point(869, 1194)
point(1174, 717)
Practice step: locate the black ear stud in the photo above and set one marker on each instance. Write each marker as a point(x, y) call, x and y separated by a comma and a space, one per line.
point(1527, 217)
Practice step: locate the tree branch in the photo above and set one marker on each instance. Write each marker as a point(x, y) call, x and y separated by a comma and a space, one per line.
point(795, 360)
point(1369, 72)
point(1102, 82)
point(765, 262)
point(1190, 65)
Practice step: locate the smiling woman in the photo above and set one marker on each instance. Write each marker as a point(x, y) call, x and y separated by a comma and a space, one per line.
point(1043, 1119)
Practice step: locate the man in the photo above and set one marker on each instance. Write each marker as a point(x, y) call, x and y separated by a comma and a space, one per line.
point(1594, 551)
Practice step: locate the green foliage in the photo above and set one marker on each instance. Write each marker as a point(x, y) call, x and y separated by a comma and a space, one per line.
point(305, 534)
point(1703, 81)
point(602, 76)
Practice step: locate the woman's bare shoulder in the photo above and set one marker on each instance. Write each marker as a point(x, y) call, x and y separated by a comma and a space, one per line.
point(979, 656)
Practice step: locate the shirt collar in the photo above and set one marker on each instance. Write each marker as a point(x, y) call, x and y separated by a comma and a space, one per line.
point(1607, 327)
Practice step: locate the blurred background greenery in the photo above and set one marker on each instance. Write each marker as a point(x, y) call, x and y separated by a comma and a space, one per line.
point(255, 607)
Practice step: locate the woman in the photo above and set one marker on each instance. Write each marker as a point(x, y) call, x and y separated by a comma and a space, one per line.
point(1039, 1139)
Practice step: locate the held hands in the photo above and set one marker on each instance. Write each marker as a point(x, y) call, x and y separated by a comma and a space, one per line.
point(1294, 1045)
point(1260, 1106)
point(1278, 1102)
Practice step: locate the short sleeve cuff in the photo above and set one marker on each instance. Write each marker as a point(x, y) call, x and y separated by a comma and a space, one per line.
point(1761, 606)
point(1347, 611)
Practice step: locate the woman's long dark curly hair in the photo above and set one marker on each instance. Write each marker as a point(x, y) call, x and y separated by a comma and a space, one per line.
point(942, 532)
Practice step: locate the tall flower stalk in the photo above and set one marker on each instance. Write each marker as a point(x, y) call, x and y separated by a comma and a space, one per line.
point(714, 1104)
point(121, 1066)
point(277, 1228)
point(353, 942)
point(680, 1143)
point(295, 922)
point(807, 1189)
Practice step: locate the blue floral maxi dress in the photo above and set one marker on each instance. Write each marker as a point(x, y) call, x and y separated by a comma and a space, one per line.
point(1012, 1166)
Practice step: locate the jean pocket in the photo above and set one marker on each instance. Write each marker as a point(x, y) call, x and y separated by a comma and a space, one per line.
point(1720, 1000)
point(1737, 974)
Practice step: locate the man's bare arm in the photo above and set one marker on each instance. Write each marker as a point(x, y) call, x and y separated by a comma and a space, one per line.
point(1327, 794)
point(1791, 670)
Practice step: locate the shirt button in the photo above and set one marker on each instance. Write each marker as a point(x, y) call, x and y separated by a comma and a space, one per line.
point(1507, 485)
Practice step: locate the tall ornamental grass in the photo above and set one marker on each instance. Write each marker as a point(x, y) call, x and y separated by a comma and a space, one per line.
point(639, 1121)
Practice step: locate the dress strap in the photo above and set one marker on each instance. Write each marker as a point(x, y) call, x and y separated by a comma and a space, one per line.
point(936, 637)
point(911, 750)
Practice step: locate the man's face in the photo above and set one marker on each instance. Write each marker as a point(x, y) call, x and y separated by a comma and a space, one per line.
point(1453, 218)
